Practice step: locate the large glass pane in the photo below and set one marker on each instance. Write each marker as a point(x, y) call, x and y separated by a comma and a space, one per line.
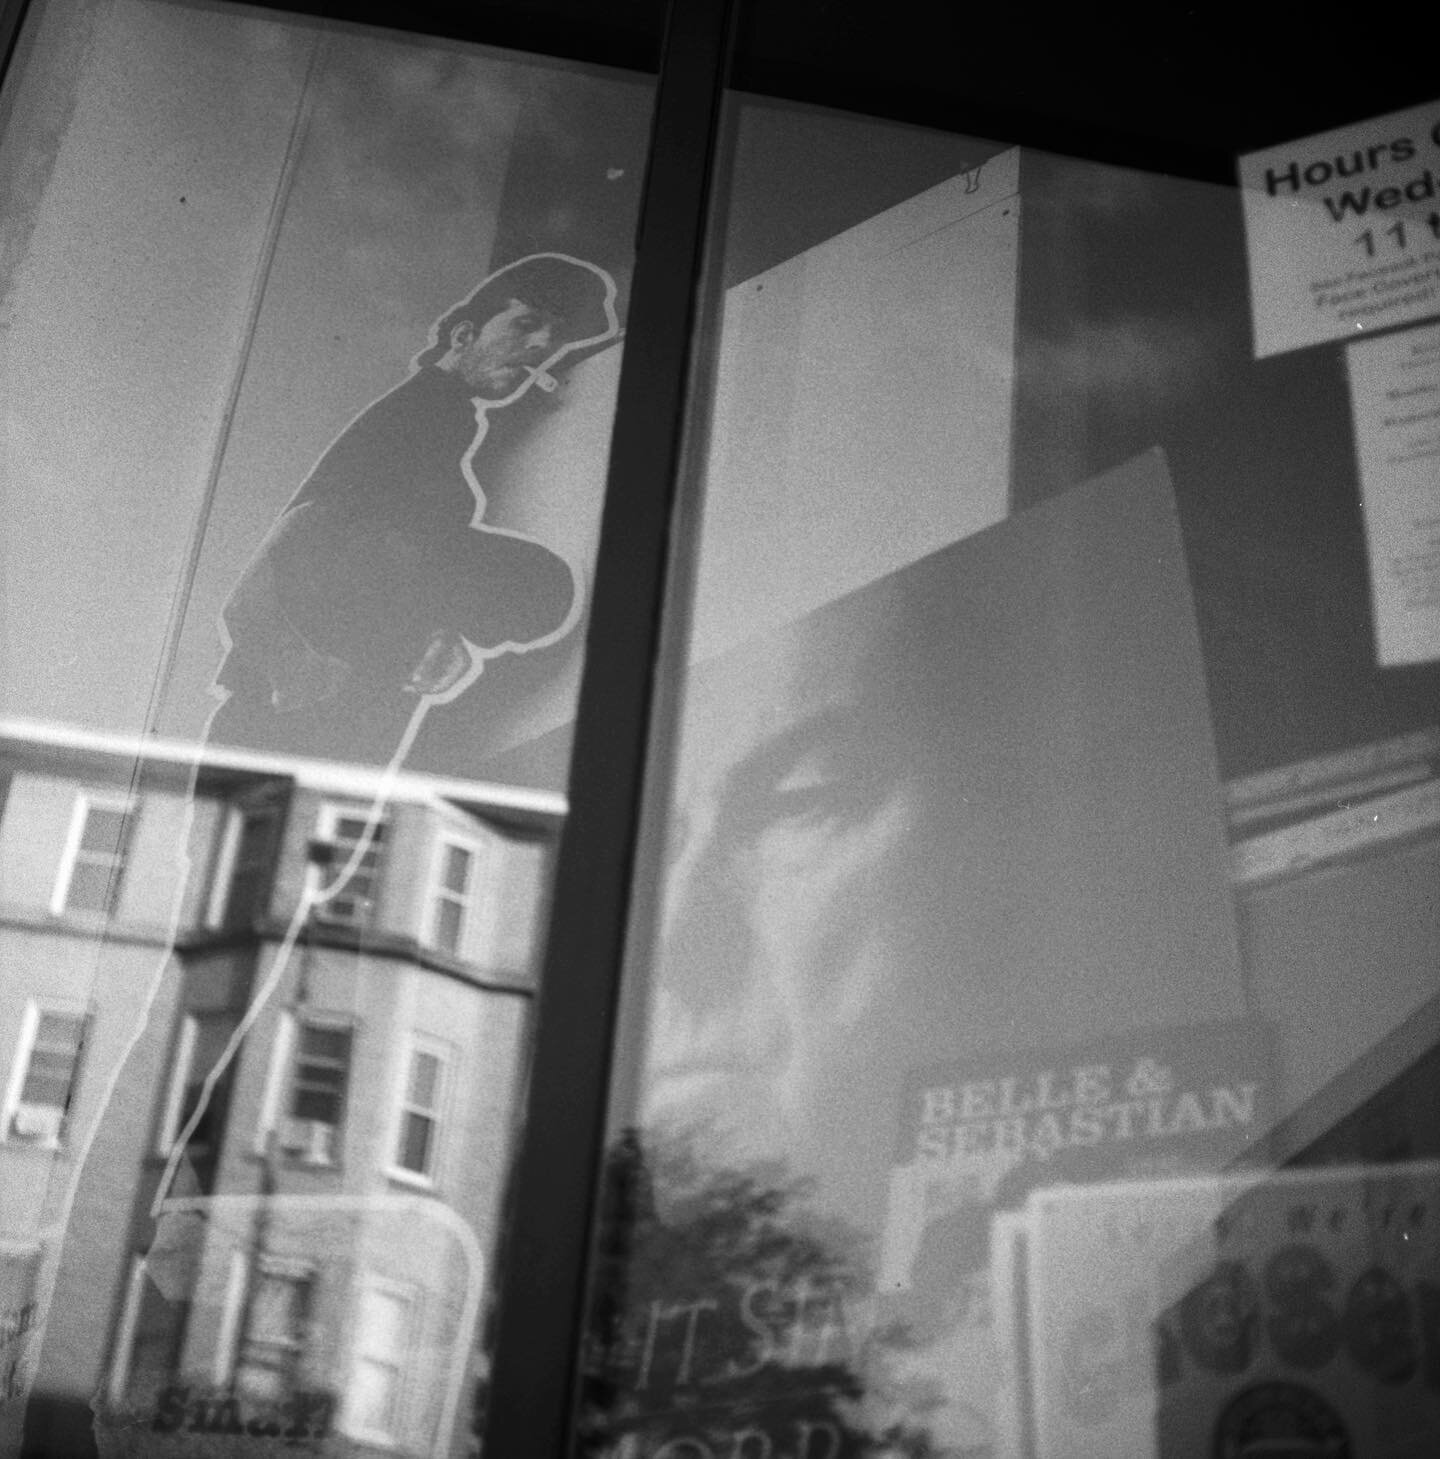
point(311, 340)
point(1051, 840)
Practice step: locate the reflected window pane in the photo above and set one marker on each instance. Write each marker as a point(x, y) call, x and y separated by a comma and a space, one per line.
point(322, 1069)
point(420, 1114)
point(54, 1060)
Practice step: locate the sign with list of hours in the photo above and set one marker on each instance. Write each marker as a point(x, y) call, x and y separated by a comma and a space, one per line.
point(1343, 231)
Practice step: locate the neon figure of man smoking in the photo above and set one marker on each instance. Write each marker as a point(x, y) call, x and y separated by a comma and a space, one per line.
point(381, 586)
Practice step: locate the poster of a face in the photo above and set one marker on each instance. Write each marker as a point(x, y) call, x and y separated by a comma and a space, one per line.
point(965, 810)
point(968, 807)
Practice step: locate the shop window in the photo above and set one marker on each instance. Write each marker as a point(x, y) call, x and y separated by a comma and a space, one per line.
point(94, 864)
point(353, 869)
point(310, 1131)
point(417, 1141)
point(45, 1076)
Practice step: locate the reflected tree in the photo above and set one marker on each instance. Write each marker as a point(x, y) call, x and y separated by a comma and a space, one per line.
point(729, 1321)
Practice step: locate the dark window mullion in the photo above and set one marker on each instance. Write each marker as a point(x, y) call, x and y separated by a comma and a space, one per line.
point(12, 12)
point(541, 1276)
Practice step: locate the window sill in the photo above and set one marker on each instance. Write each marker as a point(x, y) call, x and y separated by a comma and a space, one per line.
point(313, 1167)
point(371, 1438)
point(412, 1180)
point(36, 1147)
point(283, 1160)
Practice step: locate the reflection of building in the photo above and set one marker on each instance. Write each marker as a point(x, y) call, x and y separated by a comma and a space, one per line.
point(370, 1101)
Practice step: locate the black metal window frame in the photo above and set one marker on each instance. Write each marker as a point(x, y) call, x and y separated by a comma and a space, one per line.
point(543, 1287)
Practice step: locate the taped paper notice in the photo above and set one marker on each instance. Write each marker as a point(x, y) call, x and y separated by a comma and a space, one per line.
point(1343, 231)
point(1289, 1316)
point(1395, 397)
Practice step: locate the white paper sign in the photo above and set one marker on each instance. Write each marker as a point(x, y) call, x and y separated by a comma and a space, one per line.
point(1395, 397)
point(1294, 1314)
point(1098, 1258)
point(884, 354)
point(1343, 230)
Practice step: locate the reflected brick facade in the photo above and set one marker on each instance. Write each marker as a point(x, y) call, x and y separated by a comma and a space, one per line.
point(261, 1048)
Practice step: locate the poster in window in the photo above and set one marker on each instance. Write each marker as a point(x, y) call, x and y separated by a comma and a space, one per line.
point(962, 811)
